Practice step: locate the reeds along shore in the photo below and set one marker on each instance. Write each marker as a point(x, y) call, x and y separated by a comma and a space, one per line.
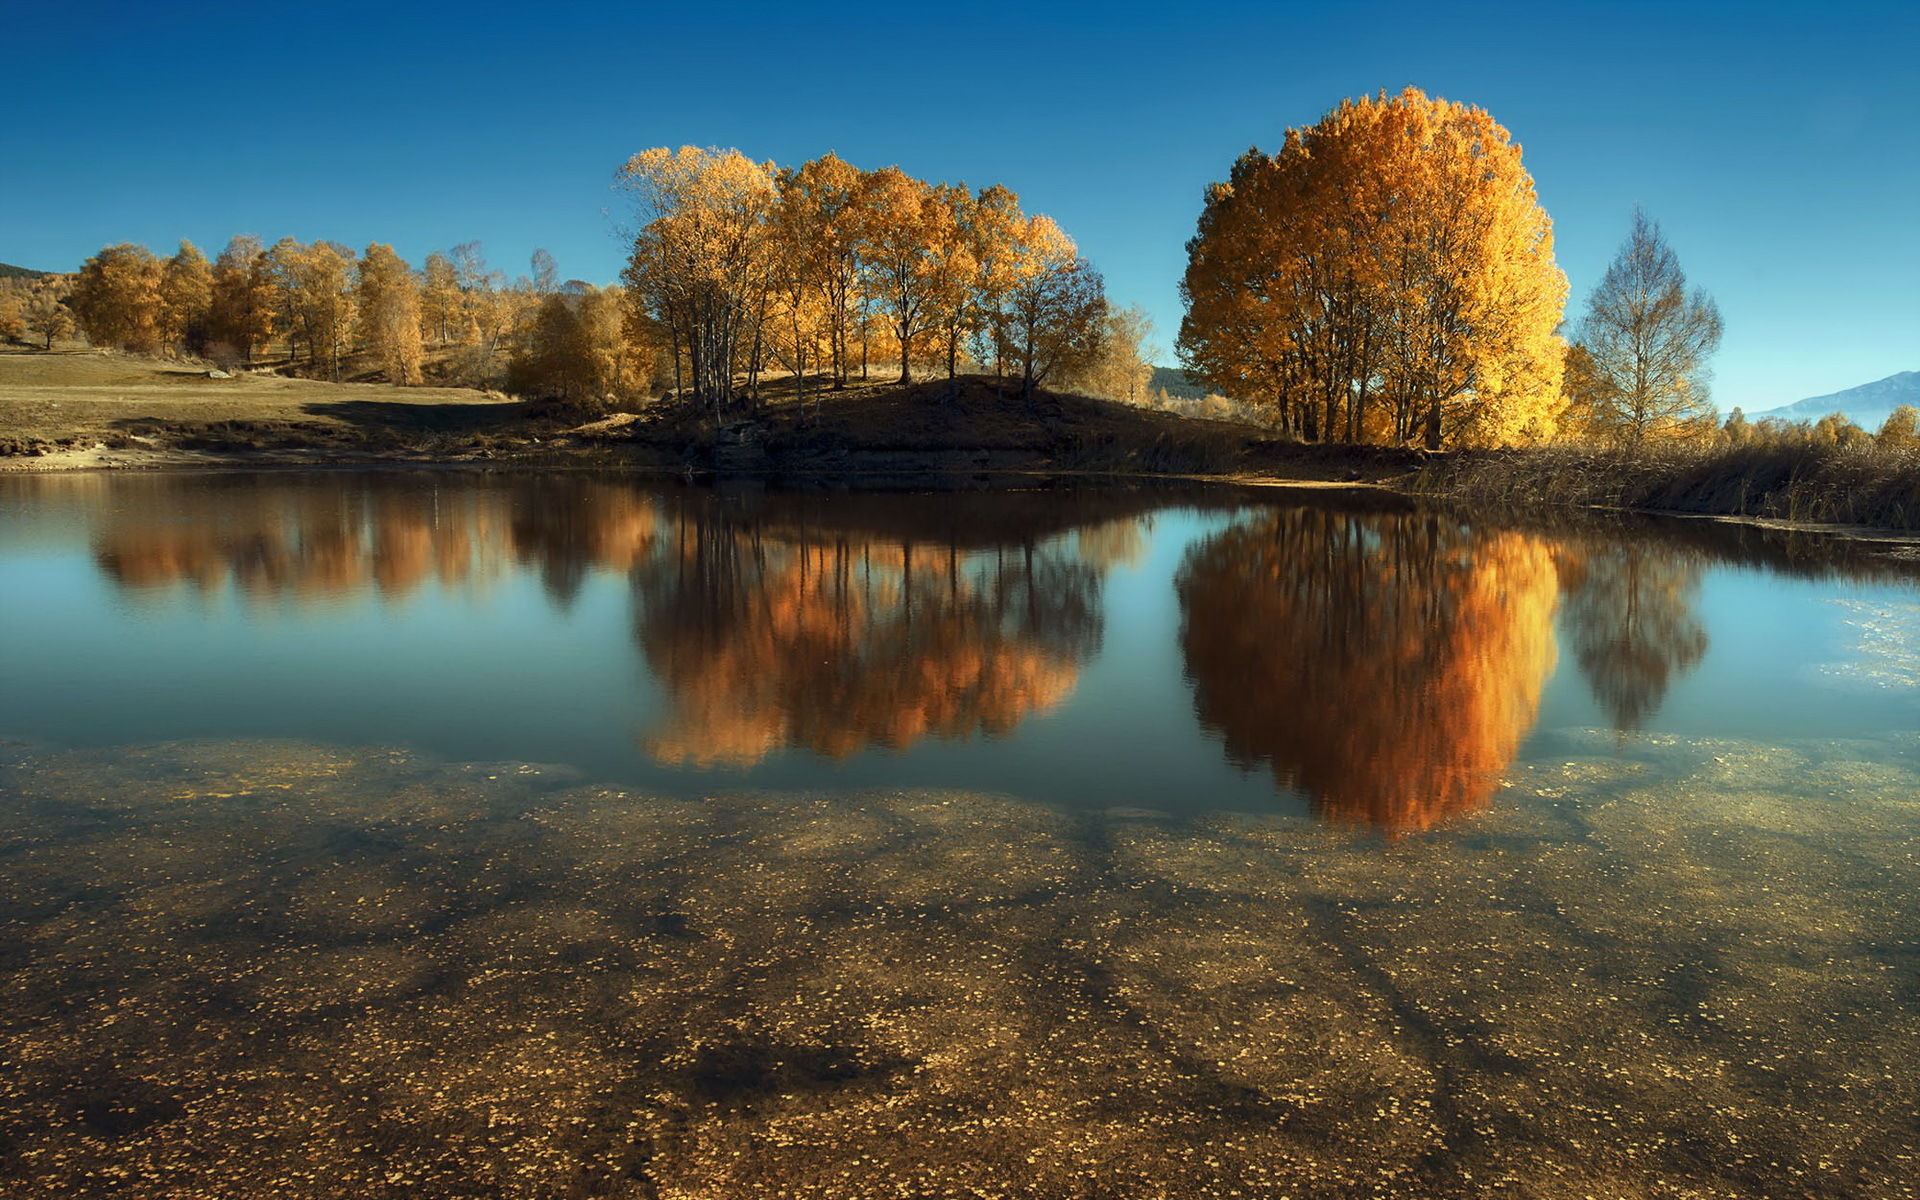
point(1795, 480)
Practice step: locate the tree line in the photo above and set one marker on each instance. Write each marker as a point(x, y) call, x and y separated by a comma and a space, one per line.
point(321, 304)
point(738, 270)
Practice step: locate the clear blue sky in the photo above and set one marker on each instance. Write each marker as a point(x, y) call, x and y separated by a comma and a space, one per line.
point(1779, 146)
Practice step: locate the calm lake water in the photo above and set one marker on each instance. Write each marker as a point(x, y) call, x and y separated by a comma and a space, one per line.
point(430, 834)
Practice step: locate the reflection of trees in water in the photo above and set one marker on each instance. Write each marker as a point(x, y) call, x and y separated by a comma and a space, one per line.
point(833, 641)
point(271, 539)
point(1630, 616)
point(1386, 665)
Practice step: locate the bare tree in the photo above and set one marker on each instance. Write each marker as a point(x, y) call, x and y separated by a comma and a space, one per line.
point(1646, 341)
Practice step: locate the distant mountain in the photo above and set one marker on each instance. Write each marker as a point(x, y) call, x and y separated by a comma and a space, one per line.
point(1174, 382)
point(1866, 406)
point(9, 271)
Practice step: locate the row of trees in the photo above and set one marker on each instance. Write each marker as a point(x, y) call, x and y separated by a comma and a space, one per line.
point(321, 303)
point(739, 266)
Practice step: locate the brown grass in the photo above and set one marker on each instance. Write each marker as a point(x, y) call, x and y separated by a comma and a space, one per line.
point(1794, 480)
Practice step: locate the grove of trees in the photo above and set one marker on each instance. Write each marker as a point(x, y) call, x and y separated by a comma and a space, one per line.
point(330, 311)
point(738, 267)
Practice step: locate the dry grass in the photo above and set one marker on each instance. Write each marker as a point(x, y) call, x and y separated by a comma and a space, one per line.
point(1802, 481)
point(86, 408)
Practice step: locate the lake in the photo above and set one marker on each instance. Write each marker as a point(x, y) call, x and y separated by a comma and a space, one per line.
point(440, 834)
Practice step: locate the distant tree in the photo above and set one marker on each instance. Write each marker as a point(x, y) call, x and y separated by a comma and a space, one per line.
point(316, 284)
point(389, 313)
point(242, 301)
point(574, 348)
point(186, 300)
point(1055, 304)
point(1901, 429)
point(439, 299)
point(546, 274)
point(1649, 340)
point(13, 325)
point(1735, 430)
point(117, 299)
point(1835, 429)
point(45, 313)
point(902, 230)
point(1122, 369)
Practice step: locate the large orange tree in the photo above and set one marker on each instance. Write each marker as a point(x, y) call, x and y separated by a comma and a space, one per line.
point(1387, 276)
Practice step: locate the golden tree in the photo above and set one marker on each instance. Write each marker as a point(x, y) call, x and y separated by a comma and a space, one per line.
point(242, 301)
point(823, 199)
point(575, 348)
point(1387, 275)
point(700, 266)
point(439, 299)
point(44, 311)
point(1052, 303)
point(117, 299)
point(903, 225)
point(389, 313)
point(1122, 368)
point(186, 300)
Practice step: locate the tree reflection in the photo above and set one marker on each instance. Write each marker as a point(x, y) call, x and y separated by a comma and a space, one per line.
point(1386, 665)
point(273, 542)
point(1630, 616)
point(823, 638)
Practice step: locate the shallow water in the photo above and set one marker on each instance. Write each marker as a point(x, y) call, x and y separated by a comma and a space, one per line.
point(422, 836)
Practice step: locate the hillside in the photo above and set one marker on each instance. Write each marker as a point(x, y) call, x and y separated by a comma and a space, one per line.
point(9, 271)
point(1174, 382)
point(1866, 406)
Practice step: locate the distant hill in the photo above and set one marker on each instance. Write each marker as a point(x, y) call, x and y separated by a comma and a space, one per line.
point(9, 271)
point(1174, 382)
point(1866, 406)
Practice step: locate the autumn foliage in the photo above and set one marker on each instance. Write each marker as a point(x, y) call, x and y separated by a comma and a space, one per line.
point(1386, 277)
point(740, 267)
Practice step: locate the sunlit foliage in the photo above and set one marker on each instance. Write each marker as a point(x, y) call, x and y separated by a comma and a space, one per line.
point(1387, 276)
point(738, 265)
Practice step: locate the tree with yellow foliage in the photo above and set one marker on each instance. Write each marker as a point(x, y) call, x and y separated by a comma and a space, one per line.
point(389, 313)
point(186, 300)
point(45, 315)
point(1387, 276)
point(241, 315)
point(699, 267)
point(117, 299)
point(1053, 303)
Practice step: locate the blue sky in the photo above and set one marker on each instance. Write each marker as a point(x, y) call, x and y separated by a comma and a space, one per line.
point(1779, 146)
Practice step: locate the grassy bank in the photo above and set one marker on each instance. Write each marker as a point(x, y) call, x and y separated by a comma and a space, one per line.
point(1790, 480)
point(81, 409)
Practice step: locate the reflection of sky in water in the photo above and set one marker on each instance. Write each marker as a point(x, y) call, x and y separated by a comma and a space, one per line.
point(480, 619)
